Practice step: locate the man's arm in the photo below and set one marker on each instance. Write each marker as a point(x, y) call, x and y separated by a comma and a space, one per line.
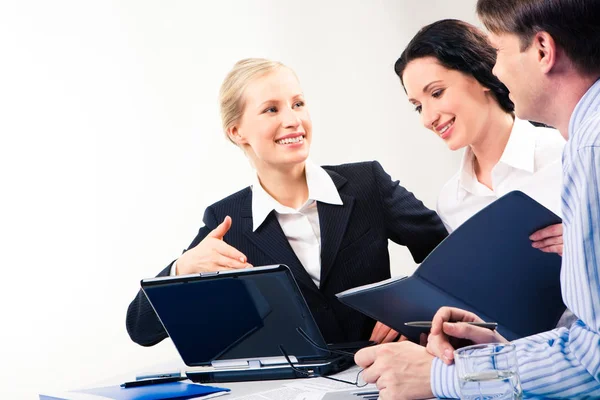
point(547, 368)
point(564, 363)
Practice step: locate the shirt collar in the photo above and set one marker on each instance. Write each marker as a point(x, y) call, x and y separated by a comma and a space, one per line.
point(519, 153)
point(320, 188)
point(588, 104)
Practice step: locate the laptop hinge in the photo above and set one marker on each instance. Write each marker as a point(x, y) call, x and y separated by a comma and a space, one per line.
point(252, 363)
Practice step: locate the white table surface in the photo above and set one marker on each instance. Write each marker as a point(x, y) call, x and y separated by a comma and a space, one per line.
point(238, 389)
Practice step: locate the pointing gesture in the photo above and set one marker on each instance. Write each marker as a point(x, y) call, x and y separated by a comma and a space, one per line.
point(220, 231)
point(212, 254)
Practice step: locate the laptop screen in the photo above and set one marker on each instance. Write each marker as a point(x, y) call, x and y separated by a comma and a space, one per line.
point(235, 315)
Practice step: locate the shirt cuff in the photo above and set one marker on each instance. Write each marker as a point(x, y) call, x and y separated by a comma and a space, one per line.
point(444, 382)
point(173, 269)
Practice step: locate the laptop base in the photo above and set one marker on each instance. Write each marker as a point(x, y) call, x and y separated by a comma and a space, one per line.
point(311, 369)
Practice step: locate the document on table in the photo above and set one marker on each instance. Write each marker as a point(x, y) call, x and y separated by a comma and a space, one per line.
point(311, 389)
point(283, 393)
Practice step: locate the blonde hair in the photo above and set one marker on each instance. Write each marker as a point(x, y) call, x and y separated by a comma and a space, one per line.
point(235, 83)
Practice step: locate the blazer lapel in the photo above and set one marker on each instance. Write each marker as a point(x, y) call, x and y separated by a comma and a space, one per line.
point(269, 238)
point(333, 220)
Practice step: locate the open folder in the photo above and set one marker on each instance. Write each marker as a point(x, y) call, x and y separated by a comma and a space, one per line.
point(486, 266)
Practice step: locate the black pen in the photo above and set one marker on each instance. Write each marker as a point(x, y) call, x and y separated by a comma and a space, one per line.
point(427, 324)
point(154, 381)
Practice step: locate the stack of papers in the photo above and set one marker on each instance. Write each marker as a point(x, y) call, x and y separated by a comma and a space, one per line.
point(318, 389)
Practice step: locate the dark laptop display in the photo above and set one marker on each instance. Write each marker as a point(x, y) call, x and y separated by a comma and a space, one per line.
point(240, 318)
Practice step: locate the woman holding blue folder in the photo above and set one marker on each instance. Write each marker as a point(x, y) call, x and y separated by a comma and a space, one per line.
point(330, 225)
point(446, 71)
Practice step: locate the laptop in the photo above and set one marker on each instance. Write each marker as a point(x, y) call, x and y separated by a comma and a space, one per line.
point(242, 325)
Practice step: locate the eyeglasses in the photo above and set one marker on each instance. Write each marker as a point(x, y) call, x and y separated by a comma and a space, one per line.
point(317, 346)
point(313, 374)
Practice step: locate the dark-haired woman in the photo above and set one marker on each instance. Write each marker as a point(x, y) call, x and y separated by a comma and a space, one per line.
point(446, 71)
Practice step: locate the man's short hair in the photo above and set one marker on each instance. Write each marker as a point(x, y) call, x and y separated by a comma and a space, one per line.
point(573, 24)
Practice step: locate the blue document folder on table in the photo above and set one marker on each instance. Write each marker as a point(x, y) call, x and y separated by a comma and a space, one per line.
point(163, 391)
point(487, 266)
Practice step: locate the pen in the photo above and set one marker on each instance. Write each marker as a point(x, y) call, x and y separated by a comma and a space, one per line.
point(154, 381)
point(427, 324)
point(158, 375)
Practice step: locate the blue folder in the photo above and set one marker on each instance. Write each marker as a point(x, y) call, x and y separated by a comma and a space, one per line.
point(163, 391)
point(486, 266)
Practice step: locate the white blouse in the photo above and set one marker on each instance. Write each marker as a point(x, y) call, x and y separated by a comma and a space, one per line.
point(531, 163)
point(301, 227)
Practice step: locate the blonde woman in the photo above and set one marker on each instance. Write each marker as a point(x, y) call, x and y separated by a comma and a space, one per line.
point(329, 224)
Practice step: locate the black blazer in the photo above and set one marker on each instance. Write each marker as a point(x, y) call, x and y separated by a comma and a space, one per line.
point(354, 247)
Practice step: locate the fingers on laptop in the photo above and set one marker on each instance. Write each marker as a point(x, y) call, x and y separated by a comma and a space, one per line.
point(383, 333)
point(390, 337)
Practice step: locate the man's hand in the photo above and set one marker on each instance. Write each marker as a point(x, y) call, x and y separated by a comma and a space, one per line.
point(212, 254)
point(400, 370)
point(448, 333)
point(549, 239)
point(383, 334)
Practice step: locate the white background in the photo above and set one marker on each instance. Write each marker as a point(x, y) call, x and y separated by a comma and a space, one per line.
point(111, 148)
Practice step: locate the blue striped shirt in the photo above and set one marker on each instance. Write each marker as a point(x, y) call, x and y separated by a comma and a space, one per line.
point(565, 363)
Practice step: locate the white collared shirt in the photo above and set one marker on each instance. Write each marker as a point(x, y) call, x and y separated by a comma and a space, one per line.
point(301, 227)
point(531, 163)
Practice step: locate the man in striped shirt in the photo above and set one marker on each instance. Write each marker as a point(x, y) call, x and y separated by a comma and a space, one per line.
point(548, 55)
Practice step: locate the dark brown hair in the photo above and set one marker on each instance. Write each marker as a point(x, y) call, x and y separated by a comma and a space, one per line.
point(459, 46)
point(573, 24)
